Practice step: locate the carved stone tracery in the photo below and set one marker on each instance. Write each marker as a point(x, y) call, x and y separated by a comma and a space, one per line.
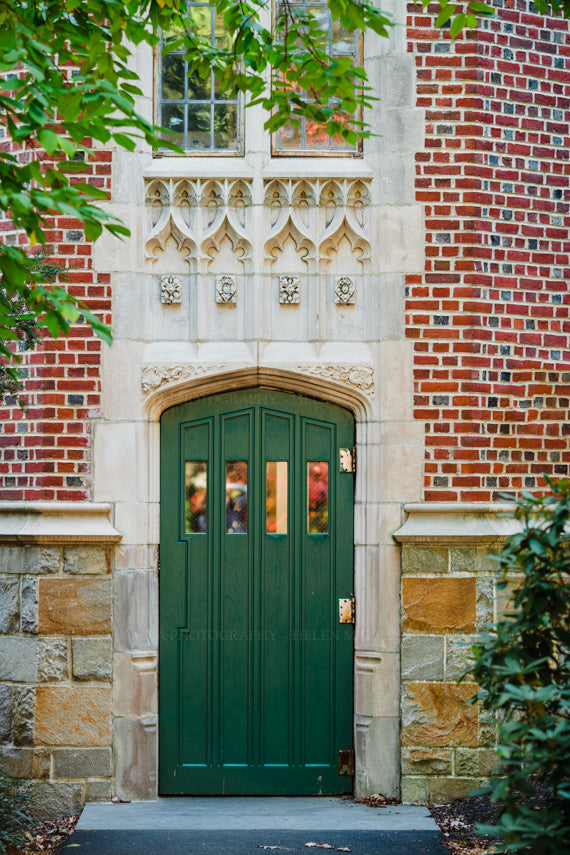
point(198, 214)
point(316, 214)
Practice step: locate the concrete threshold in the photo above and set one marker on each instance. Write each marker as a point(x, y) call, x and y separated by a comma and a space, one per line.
point(246, 814)
point(248, 826)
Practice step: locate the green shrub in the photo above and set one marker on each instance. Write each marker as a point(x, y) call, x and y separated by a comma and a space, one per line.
point(13, 800)
point(522, 669)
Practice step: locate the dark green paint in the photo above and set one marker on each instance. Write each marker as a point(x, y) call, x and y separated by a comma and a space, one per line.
point(256, 673)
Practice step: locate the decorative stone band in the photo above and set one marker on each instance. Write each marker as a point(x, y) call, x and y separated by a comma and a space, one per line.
point(56, 522)
point(359, 377)
point(460, 522)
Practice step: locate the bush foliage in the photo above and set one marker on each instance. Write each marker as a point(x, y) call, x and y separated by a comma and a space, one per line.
point(522, 669)
point(13, 800)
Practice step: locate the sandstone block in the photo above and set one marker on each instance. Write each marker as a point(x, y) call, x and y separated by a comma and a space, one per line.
point(135, 757)
point(5, 713)
point(443, 790)
point(456, 658)
point(87, 560)
point(74, 606)
point(29, 605)
point(52, 659)
point(91, 658)
point(51, 799)
point(463, 559)
point(18, 658)
point(421, 761)
point(23, 714)
point(18, 559)
point(473, 763)
point(98, 791)
point(25, 762)
point(438, 605)
point(9, 604)
point(73, 715)
point(484, 603)
point(82, 762)
point(439, 715)
point(422, 657)
point(424, 559)
point(415, 790)
point(49, 559)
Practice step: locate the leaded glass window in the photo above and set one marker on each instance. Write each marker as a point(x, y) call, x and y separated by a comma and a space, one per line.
point(310, 137)
point(203, 119)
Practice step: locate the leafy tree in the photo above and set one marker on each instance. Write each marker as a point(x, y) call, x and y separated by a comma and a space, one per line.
point(66, 84)
point(523, 671)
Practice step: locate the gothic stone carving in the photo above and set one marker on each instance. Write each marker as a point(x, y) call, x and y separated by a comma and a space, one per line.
point(154, 376)
point(198, 214)
point(289, 290)
point(171, 289)
point(345, 291)
point(226, 290)
point(318, 215)
point(360, 377)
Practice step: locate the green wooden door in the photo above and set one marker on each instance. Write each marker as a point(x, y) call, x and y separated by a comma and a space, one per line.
point(256, 672)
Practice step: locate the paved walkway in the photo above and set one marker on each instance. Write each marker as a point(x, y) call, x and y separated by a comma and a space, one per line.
point(252, 826)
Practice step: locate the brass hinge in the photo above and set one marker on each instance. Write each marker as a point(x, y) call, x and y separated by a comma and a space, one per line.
point(346, 610)
point(347, 459)
point(158, 560)
point(346, 762)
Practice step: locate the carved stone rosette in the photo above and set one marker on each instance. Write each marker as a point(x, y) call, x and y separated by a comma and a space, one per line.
point(345, 291)
point(289, 290)
point(170, 289)
point(226, 290)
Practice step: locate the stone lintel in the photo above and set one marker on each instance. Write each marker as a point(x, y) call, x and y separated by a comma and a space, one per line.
point(457, 522)
point(56, 522)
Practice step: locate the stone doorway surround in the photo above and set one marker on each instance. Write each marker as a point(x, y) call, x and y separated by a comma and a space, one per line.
point(377, 668)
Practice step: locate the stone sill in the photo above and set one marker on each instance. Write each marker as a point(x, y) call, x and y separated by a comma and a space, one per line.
point(457, 522)
point(241, 167)
point(56, 522)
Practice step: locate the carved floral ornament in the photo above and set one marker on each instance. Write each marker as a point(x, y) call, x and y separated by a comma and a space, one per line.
point(289, 290)
point(357, 376)
point(171, 289)
point(345, 291)
point(226, 290)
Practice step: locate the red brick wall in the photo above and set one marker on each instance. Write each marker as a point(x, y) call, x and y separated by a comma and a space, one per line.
point(45, 453)
point(489, 316)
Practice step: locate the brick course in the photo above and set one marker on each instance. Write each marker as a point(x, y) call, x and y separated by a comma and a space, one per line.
point(489, 316)
point(45, 452)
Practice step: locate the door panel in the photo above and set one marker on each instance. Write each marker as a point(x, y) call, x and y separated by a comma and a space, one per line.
point(256, 673)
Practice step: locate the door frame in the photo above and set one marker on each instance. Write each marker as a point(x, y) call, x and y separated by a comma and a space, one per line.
point(376, 556)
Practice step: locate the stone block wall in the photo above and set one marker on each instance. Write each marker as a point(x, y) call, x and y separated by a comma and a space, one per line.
point(55, 672)
point(449, 595)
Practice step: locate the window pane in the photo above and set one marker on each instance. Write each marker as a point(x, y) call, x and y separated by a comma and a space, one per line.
point(317, 497)
point(196, 496)
point(236, 497)
point(205, 118)
point(225, 126)
point(276, 497)
point(172, 117)
point(289, 137)
point(198, 88)
point(172, 77)
point(201, 17)
point(199, 126)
